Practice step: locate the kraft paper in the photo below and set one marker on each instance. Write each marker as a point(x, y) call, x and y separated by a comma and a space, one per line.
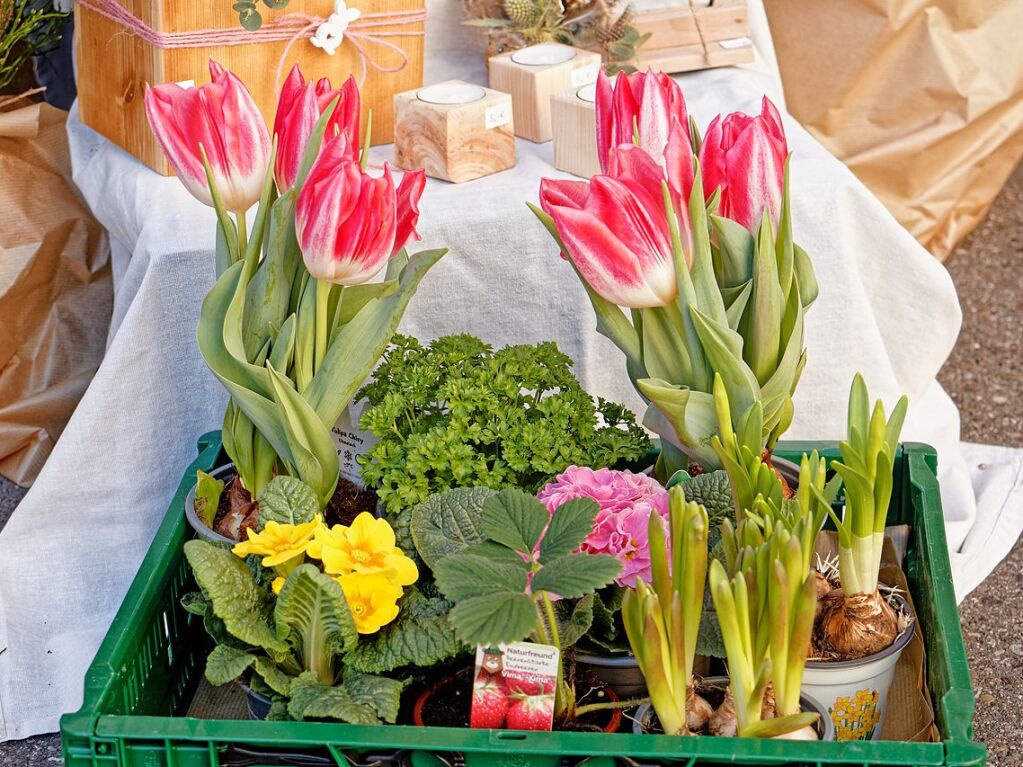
point(56, 290)
point(922, 100)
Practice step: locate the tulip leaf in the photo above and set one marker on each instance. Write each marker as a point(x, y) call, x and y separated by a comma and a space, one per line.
point(708, 297)
point(682, 416)
point(724, 349)
point(665, 353)
point(784, 246)
point(762, 336)
point(353, 299)
point(805, 277)
point(570, 524)
point(736, 300)
point(734, 263)
point(358, 345)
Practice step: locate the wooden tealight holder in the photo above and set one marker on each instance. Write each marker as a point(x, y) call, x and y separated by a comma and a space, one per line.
point(455, 130)
point(532, 75)
point(682, 40)
point(574, 124)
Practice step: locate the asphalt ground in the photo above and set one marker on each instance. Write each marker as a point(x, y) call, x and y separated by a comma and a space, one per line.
point(984, 376)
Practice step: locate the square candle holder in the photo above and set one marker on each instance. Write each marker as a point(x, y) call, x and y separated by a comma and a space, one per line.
point(532, 75)
point(455, 130)
point(574, 124)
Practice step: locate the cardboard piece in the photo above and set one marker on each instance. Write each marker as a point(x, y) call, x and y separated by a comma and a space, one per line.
point(56, 290)
point(923, 101)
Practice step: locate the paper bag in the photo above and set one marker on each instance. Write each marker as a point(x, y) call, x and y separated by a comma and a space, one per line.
point(56, 291)
point(922, 100)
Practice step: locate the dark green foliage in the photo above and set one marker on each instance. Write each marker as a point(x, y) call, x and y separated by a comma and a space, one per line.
point(456, 413)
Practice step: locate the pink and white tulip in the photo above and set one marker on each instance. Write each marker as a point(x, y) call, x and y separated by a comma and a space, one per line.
point(616, 231)
point(300, 105)
point(744, 156)
point(349, 224)
point(222, 119)
point(647, 108)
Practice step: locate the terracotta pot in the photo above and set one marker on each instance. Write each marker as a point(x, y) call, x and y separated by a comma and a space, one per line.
point(442, 684)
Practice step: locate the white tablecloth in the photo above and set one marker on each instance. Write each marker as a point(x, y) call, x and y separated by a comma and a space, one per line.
point(887, 308)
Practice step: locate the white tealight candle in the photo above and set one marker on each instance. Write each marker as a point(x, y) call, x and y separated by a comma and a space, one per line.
point(588, 93)
point(544, 55)
point(451, 93)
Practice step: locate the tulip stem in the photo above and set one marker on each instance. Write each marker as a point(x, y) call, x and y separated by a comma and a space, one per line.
point(243, 239)
point(322, 331)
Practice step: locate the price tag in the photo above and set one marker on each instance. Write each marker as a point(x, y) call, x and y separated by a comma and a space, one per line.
point(736, 42)
point(514, 686)
point(585, 75)
point(497, 115)
point(351, 441)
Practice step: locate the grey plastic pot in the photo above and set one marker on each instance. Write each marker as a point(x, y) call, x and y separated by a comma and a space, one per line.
point(225, 473)
point(856, 691)
point(620, 672)
point(825, 729)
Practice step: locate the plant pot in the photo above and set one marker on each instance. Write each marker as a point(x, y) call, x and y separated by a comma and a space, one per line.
point(620, 672)
point(224, 473)
point(446, 686)
point(257, 704)
point(644, 718)
point(855, 692)
point(788, 470)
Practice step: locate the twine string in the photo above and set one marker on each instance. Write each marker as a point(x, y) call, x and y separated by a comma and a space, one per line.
point(289, 28)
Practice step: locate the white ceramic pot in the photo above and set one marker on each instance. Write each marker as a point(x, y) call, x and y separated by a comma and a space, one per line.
point(855, 692)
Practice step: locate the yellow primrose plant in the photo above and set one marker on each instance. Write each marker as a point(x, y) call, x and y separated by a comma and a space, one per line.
point(314, 617)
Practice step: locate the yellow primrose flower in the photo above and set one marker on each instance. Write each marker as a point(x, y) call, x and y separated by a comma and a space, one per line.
point(278, 543)
point(367, 547)
point(371, 598)
point(277, 585)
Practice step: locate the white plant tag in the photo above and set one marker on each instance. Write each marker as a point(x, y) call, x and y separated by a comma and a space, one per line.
point(186, 84)
point(351, 441)
point(584, 75)
point(497, 115)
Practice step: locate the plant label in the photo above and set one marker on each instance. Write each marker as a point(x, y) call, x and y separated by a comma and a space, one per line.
point(351, 441)
point(513, 687)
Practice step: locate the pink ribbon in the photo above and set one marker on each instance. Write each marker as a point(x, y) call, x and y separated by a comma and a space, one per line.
point(291, 27)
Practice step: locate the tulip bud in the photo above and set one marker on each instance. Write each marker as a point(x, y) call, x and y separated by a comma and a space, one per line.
point(300, 105)
point(647, 109)
point(349, 224)
point(616, 231)
point(744, 156)
point(223, 120)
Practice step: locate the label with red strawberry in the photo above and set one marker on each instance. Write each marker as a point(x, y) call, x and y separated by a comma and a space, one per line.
point(514, 687)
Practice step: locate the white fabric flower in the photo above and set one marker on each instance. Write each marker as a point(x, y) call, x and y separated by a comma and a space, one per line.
point(331, 33)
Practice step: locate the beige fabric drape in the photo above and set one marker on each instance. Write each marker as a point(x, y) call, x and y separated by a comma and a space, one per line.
point(922, 100)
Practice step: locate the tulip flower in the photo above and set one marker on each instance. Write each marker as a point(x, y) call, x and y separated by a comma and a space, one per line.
point(647, 109)
point(300, 105)
point(350, 224)
point(222, 120)
point(615, 230)
point(744, 157)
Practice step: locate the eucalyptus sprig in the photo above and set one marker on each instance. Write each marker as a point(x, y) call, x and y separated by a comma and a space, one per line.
point(248, 13)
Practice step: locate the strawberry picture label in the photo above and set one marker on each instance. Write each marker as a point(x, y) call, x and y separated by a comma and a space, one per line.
point(513, 687)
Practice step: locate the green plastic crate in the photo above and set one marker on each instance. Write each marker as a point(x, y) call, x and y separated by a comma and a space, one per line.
point(151, 661)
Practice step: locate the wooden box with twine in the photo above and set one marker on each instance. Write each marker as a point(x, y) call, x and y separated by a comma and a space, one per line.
point(121, 45)
point(687, 35)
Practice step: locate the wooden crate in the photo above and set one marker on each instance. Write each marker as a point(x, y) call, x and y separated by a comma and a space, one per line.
point(680, 40)
point(114, 65)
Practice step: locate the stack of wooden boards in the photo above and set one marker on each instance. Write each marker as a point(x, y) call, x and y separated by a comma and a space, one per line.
point(685, 37)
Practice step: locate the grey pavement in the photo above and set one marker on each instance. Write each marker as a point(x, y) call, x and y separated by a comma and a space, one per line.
point(985, 377)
